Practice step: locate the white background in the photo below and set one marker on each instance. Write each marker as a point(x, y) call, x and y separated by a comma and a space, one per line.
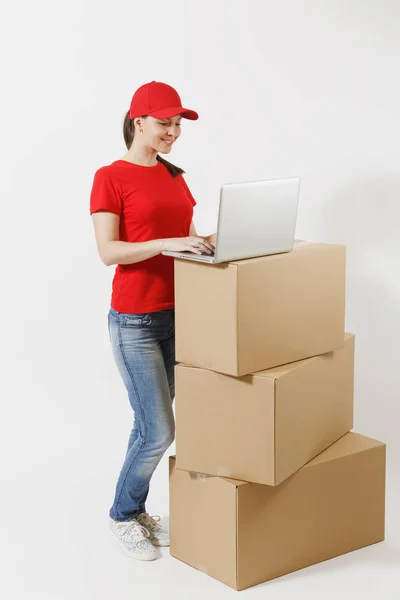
point(295, 87)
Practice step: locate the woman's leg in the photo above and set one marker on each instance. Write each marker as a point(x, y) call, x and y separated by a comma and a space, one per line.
point(137, 343)
point(168, 349)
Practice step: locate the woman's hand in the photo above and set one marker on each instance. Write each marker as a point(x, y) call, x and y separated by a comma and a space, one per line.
point(212, 238)
point(192, 243)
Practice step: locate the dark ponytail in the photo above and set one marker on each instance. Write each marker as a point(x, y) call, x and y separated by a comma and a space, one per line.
point(129, 133)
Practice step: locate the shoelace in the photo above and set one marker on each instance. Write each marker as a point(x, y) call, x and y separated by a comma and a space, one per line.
point(149, 520)
point(134, 530)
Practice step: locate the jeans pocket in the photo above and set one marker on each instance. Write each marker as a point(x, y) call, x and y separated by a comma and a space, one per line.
point(135, 321)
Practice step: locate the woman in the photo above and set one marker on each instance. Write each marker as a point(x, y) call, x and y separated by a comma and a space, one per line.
point(140, 206)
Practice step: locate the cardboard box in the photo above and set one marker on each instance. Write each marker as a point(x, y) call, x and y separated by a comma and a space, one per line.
point(245, 316)
point(244, 533)
point(264, 426)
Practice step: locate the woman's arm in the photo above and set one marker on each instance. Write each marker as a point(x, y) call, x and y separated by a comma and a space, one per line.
point(112, 251)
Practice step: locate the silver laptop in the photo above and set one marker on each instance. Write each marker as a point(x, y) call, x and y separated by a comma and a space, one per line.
point(255, 218)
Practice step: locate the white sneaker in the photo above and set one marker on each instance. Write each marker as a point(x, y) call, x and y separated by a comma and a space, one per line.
point(133, 539)
point(158, 535)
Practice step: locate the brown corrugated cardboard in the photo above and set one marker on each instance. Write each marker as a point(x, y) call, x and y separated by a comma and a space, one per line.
point(245, 316)
point(264, 426)
point(244, 533)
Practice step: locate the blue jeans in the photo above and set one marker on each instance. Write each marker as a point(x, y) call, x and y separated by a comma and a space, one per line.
point(143, 347)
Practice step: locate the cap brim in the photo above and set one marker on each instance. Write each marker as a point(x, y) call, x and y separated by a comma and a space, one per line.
point(166, 113)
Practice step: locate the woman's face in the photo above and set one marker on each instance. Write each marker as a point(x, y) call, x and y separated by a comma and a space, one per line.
point(161, 134)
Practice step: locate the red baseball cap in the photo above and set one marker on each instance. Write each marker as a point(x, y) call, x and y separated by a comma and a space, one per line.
point(158, 100)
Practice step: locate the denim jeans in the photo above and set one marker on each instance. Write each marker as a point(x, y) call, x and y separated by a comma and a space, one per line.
point(143, 346)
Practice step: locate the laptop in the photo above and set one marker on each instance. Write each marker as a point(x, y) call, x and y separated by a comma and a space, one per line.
point(255, 218)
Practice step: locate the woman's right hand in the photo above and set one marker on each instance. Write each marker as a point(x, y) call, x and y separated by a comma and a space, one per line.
point(188, 244)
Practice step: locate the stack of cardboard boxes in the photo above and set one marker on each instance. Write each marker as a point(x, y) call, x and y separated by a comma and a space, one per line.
point(267, 477)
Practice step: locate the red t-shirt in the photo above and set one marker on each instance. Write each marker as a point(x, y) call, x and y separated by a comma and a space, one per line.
point(152, 204)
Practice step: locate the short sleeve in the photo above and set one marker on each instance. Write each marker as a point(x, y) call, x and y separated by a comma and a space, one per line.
point(186, 188)
point(103, 195)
